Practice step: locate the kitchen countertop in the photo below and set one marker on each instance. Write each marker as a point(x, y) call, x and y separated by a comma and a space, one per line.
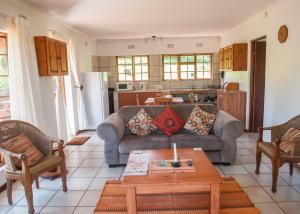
point(173, 91)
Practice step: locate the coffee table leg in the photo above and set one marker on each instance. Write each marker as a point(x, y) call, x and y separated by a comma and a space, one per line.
point(215, 199)
point(131, 200)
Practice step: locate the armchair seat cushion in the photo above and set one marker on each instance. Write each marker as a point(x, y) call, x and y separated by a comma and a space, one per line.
point(206, 142)
point(133, 142)
point(45, 163)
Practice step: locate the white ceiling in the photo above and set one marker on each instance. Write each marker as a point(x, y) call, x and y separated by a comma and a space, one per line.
point(121, 19)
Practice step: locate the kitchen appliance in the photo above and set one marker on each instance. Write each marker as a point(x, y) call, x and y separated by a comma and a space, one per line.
point(125, 86)
point(95, 94)
point(111, 100)
point(231, 86)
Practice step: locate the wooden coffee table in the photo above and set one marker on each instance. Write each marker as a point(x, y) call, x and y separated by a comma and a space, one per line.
point(205, 178)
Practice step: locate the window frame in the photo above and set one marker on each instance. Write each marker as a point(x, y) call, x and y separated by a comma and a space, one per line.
point(5, 36)
point(163, 67)
point(186, 63)
point(133, 68)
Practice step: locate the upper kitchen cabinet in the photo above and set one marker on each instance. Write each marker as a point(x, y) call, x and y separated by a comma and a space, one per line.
point(234, 57)
point(52, 57)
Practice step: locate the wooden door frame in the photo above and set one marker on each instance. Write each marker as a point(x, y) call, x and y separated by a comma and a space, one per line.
point(251, 101)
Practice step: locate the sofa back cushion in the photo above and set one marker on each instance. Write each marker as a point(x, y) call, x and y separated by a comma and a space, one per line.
point(184, 111)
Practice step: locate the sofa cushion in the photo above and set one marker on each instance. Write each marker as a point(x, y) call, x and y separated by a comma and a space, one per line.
point(289, 142)
point(200, 122)
point(22, 145)
point(141, 124)
point(169, 122)
point(184, 111)
point(207, 143)
point(133, 142)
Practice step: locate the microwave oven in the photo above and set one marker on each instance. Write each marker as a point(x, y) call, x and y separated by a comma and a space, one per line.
point(124, 86)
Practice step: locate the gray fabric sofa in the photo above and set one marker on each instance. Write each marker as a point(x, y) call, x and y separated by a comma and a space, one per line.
point(220, 145)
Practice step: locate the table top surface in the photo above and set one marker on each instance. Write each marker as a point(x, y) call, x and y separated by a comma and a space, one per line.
point(205, 172)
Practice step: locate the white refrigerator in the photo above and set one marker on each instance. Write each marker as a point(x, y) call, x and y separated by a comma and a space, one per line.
point(95, 92)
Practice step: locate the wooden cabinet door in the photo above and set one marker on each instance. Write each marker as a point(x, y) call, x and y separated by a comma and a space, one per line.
point(52, 57)
point(127, 99)
point(221, 59)
point(225, 58)
point(63, 58)
point(41, 55)
point(230, 58)
point(240, 57)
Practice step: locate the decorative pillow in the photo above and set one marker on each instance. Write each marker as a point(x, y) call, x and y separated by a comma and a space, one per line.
point(21, 144)
point(169, 122)
point(288, 143)
point(141, 124)
point(200, 122)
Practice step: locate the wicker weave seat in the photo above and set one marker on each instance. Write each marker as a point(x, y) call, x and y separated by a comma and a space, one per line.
point(27, 175)
point(233, 200)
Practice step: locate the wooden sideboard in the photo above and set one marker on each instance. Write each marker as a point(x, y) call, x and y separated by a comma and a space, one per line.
point(233, 102)
point(129, 98)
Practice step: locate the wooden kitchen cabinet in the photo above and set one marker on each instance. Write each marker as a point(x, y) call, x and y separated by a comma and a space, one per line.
point(52, 57)
point(129, 98)
point(234, 57)
point(233, 102)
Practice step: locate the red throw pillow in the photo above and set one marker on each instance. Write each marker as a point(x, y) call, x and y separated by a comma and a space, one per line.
point(169, 122)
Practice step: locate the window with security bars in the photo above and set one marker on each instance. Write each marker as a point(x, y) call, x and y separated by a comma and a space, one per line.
point(4, 79)
point(133, 68)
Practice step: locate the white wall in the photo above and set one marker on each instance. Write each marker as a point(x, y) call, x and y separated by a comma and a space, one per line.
point(181, 45)
point(41, 23)
point(282, 98)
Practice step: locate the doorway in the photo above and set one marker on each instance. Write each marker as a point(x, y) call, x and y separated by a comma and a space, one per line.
point(257, 83)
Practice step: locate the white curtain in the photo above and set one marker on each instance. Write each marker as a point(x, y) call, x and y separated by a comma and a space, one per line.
point(73, 118)
point(25, 94)
point(78, 100)
point(60, 105)
point(60, 110)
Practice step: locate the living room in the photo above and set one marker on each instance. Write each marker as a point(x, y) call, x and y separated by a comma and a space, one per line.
point(149, 106)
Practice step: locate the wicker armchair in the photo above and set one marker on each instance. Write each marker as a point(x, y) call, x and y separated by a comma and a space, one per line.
point(272, 150)
point(27, 175)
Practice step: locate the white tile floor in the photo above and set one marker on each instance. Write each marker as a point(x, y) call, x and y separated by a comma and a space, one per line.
point(87, 174)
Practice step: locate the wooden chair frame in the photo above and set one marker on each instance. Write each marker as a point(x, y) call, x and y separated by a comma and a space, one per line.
point(26, 176)
point(272, 150)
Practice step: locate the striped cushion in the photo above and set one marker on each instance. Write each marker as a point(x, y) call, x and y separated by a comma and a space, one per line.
point(288, 143)
point(21, 144)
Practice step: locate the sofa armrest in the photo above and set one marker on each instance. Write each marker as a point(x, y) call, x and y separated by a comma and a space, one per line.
point(228, 129)
point(111, 130)
point(227, 126)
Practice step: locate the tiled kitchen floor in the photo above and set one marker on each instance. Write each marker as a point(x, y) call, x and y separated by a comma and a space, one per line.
point(87, 174)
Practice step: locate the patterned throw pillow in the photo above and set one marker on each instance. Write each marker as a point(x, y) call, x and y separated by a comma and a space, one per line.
point(141, 124)
point(169, 122)
point(200, 122)
point(21, 144)
point(288, 143)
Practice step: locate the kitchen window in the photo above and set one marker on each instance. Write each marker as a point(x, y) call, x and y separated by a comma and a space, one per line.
point(4, 79)
point(187, 67)
point(133, 68)
point(170, 67)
